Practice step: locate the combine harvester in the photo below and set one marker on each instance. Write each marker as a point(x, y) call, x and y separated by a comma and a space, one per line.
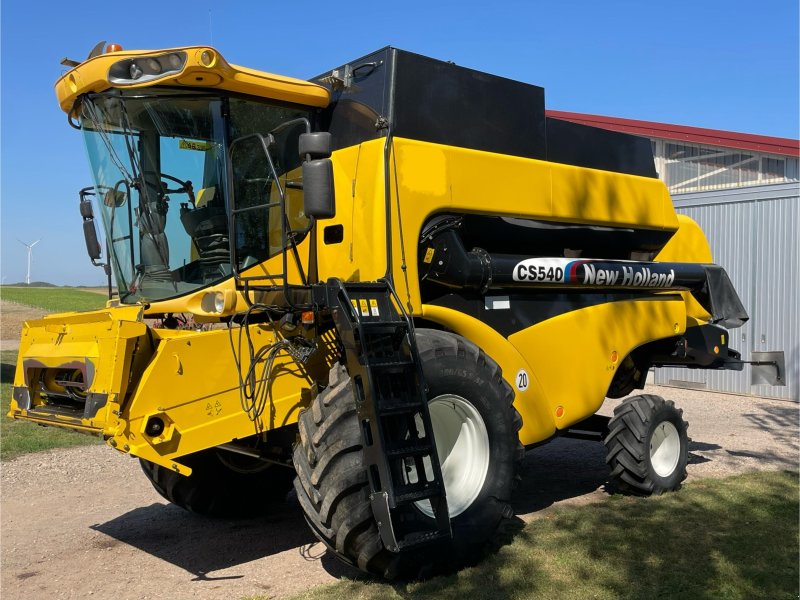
point(411, 275)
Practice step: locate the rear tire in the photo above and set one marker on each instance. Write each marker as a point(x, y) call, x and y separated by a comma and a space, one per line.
point(647, 445)
point(235, 487)
point(332, 481)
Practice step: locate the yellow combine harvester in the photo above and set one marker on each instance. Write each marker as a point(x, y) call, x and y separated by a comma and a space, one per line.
point(485, 277)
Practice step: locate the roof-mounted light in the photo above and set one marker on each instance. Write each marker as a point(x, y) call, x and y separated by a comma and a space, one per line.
point(142, 69)
point(208, 58)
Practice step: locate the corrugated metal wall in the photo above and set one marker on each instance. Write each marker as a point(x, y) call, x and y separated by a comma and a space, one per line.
point(755, 234)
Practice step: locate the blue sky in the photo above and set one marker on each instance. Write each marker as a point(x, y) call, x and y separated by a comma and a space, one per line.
point(726, 65)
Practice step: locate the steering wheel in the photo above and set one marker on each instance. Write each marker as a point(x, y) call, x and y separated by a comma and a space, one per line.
point(184, 187)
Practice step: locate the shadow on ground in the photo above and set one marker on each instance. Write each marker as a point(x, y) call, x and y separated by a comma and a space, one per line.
point(563, 469)
point(780, 421)
point(202, 546)
point(7, 372)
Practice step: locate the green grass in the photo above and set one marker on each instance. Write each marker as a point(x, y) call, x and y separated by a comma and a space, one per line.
point(53, 299)
point(735, 538)
point(20, 437)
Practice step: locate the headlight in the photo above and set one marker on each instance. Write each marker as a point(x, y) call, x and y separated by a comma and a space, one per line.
point(176, 60)
point(154, 65)
point(207, 58)
point(218, 302)
point(135, 71)
point(146, 68)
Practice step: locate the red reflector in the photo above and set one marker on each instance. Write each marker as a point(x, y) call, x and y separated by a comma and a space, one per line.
point(307, 317)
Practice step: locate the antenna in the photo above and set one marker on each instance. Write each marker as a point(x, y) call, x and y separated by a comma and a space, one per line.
point(30, 251)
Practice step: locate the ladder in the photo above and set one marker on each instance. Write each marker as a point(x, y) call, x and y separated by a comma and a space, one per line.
point(399, 448)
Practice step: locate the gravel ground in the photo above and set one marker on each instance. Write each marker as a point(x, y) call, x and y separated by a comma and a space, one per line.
point(84, 522)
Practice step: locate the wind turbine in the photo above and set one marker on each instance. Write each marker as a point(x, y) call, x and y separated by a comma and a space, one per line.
point(30, 251)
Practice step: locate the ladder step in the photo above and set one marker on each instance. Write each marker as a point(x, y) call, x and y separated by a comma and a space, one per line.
point(417, 539)
point(399, 408)
point(386, 363)
point(409, 450)
point(431, 491)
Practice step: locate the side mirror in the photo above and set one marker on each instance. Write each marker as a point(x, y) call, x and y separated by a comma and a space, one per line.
point(89, 231)
point(319, 198)
point(92, 243)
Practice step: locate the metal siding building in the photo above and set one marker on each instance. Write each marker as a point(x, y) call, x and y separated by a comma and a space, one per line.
point(754, 233)
point(744, 191)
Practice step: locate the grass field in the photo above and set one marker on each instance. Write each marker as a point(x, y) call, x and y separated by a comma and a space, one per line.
point(18, 437)
point(735, 538)
point(53, 299)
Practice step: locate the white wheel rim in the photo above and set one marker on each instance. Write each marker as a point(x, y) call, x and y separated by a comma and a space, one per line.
point(665, 449)
point(462, 445)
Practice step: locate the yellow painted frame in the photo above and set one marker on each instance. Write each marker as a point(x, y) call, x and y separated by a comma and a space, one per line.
point(204, 68)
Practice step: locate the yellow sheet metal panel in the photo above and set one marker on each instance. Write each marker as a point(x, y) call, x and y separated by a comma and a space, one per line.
point(591, 196)
point(450, 178)
point(100, 344)
point(573, 354)
point(193, 383)
point(204, 68)
point(360, 211)
point(689, 244)
point(538, 423)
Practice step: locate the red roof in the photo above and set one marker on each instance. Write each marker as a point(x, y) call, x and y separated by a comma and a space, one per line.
point(695, 135)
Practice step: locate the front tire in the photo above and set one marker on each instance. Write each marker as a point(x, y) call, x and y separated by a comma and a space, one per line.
point(222, 486)
point(647, 445)
point(472, 411)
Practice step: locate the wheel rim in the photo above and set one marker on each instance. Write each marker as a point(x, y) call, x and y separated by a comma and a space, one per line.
point(462, 445)
point(665, 449)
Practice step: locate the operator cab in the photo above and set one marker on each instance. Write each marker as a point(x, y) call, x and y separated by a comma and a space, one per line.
point(197, 171)
point(160, 163)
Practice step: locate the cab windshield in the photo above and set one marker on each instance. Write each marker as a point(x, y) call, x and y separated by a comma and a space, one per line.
point(160, 168)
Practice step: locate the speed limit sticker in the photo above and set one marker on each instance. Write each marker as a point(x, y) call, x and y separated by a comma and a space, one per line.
point(522, 380)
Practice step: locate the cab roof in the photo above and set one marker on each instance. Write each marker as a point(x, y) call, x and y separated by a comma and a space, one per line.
point(200, 67)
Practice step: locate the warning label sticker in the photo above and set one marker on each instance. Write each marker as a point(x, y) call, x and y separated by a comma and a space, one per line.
point(200, 146)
